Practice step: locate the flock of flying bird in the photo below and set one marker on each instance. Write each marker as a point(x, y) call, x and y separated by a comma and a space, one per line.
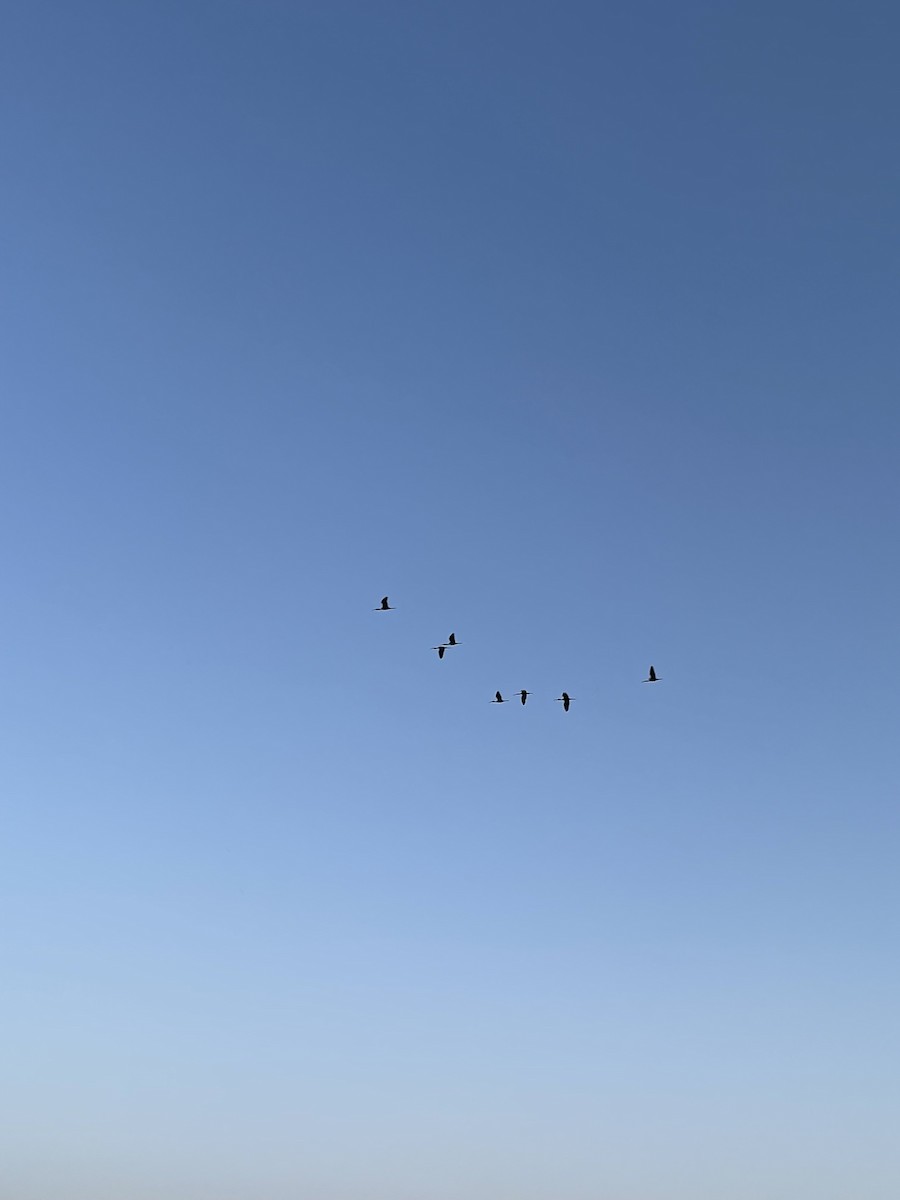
point(565, 699)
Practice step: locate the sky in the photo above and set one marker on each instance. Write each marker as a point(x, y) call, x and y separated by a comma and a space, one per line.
point(572, 328)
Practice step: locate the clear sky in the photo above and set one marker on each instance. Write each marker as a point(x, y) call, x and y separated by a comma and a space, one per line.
point(573, 328)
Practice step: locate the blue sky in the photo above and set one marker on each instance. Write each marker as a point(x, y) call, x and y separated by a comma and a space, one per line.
point(573, 329)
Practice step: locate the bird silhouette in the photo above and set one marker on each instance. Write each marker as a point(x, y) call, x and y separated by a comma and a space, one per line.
point(498, 699)
point(565, 697)
point(451, 640)
point(384, 606)
point(440, 649)
point(524, 695)
point(652, 677)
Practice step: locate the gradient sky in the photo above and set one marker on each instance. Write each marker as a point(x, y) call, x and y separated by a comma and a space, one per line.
point(573, 328)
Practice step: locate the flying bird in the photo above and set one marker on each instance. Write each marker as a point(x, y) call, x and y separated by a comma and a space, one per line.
point(652, 677)
point(565, 697)
point(523, 694)
point(440, 649)
point(498, 699)
point(451, 640)
point(384, 606)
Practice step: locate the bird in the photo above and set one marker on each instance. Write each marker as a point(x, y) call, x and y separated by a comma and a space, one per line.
point(565, 697)
point(498, 699)
point(451, 640)
point(440, 649)
point(524, 695)
point(384, 606)
point(652, 677)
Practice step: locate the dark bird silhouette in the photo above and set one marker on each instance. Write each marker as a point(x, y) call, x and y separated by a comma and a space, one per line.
point(565, 697)
point(440, 650)
point(524, 695)
point(451, 640)
point(498, 699)
point(384, 606)
point(652, 677)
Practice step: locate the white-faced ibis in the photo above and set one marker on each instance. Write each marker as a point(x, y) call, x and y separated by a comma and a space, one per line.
point(652, 677)
point(523, 694)
point(498, 699)
point(566, 698)
point(384, 606)
point(440, 649)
